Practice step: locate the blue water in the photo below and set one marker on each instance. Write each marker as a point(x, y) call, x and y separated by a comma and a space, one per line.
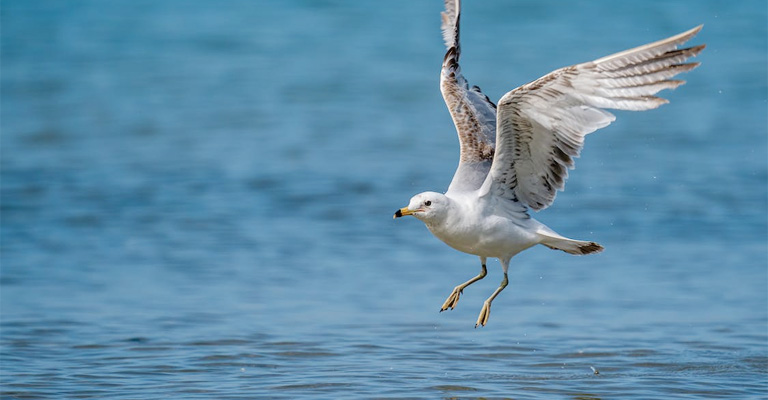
point(197, 201)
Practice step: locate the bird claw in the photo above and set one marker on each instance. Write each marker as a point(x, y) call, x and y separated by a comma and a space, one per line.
point(485, 312)
point(452, 299)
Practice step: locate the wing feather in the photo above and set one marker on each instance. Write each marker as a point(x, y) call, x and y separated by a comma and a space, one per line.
point(473, 113)
point(541, 126)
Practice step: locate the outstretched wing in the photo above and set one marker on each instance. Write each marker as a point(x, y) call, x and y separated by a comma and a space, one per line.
point(473, 113)
point(542, 125)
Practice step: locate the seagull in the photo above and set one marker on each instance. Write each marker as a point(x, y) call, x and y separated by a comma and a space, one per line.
point(515, 156)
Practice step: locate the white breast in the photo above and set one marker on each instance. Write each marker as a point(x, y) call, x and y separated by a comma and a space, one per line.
point(473, 231)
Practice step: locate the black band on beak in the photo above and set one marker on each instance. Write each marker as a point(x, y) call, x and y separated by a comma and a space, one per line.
point(398, 214)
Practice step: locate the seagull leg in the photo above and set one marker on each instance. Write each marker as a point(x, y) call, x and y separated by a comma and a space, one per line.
point(453, 299)
point(485, 312)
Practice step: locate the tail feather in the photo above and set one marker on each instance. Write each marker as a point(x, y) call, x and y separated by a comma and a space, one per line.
point(570, 246)
point(554, 241)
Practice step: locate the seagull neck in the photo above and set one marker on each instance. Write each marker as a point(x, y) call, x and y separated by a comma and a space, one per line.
point(453, 210)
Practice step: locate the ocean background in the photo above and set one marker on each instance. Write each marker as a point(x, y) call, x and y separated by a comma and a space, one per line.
point(197, 203)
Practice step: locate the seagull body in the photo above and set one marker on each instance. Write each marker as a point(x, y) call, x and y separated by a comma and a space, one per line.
point(515, 156)
point(471, 225)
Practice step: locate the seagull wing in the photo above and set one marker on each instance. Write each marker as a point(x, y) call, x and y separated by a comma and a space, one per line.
point(541, 125)
point(473, 113)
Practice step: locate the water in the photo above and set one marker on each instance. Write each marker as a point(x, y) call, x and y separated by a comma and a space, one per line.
point(197, 201)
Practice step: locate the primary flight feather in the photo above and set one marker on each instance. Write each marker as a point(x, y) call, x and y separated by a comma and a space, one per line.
point(516, 155)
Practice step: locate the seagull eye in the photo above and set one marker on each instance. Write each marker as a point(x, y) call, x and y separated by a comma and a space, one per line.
point(428, 203)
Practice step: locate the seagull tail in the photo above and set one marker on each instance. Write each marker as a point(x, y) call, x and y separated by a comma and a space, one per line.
point(579, 247)
point(571, 246)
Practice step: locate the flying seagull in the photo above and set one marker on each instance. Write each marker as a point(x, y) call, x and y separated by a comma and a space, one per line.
point(515, 155)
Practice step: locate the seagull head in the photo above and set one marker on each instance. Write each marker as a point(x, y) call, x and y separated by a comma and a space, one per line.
point(425, 206)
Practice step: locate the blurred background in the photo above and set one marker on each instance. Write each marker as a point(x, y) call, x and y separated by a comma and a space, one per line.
point(197, 202)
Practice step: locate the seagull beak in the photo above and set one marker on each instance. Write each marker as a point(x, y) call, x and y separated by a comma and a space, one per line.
point(402, 212)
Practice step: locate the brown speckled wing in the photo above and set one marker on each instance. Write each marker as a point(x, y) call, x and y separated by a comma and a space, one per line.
point(541, 125)
point(473, 113)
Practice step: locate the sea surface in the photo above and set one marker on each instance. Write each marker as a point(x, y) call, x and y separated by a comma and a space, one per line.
point(197, 202)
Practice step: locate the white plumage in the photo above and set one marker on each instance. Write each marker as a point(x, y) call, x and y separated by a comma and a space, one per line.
point(516, 155)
